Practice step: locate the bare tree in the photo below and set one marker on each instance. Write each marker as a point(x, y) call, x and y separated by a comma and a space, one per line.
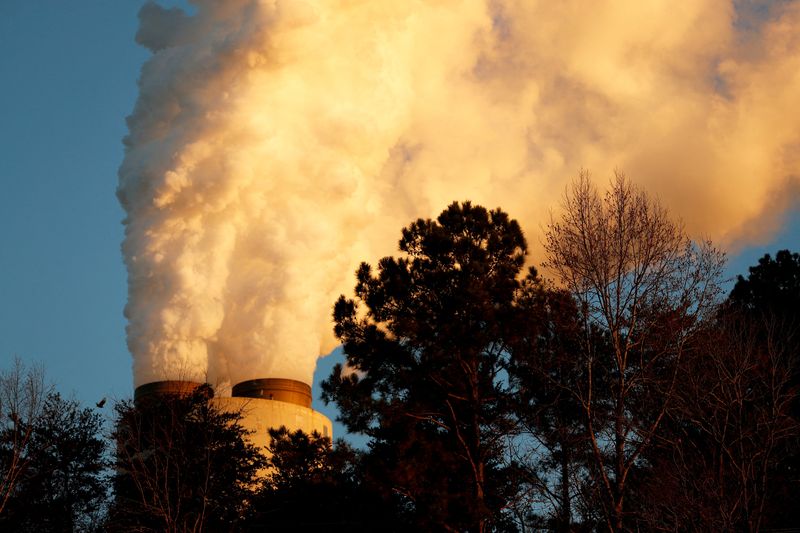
point(639, 279)
point(730, 427)
point(23, 392)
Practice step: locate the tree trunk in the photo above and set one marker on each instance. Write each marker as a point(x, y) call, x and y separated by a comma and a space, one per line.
point(565, 519)
point(619, 459)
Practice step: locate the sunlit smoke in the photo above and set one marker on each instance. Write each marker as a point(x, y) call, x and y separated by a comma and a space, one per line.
point(275, 144)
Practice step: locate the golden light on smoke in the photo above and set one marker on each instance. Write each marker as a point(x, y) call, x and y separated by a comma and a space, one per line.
point(275, 144)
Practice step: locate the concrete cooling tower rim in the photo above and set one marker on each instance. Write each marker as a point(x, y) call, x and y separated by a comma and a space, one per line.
point(283, 390)
point(278, 389)
point(165, 388)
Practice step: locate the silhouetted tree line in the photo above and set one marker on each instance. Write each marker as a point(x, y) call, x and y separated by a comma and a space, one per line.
point(52, 469)
point(624, 394)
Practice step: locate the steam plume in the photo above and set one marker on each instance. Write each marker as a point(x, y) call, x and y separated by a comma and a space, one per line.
point(277, 143)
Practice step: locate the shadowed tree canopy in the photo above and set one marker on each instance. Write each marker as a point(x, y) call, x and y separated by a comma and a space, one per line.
point(426, 346)
point(769, 297)
point(772, 286)
point(727, 458)
point(545, 369)
point(313, 485)
point(62, 486)
point(181, 465)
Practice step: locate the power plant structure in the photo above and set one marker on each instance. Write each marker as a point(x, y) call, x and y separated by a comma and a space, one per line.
point(263, 403)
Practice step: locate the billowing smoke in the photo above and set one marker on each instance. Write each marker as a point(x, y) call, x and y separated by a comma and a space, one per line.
point(277, 143)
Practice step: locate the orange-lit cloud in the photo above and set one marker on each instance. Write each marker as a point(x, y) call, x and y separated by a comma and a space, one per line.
point(275, 144)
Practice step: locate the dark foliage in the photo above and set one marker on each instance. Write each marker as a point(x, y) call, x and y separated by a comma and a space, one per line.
point(314, 486)
point(727, 453)
point(716, 466)
point(181, 465)
point(770, 299)
point(546, 367)
point(62, 487)
point(426, 367)
point(772, 286)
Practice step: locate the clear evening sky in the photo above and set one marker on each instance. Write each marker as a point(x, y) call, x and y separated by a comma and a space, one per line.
point(68, 74)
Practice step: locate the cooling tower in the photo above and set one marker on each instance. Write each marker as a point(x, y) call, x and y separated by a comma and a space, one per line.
point(271, 403)
point(263, 403)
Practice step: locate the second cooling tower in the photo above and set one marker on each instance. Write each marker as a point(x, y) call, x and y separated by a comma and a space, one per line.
point(271, 403)
point(282, 390)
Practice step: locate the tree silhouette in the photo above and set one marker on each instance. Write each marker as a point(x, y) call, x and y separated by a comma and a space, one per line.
point(22, 398)
point(425, 376)
point(62, 487)
point(314, 485)
point(641, 280)
point(181, 465)
point(769, 300)
point(772, 286)
point(727, 431)
point(546, 368)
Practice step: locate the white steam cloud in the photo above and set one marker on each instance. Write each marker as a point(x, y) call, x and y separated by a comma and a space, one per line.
point(277, 143)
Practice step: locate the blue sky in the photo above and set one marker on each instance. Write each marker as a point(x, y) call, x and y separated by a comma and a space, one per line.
point(68, 72)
